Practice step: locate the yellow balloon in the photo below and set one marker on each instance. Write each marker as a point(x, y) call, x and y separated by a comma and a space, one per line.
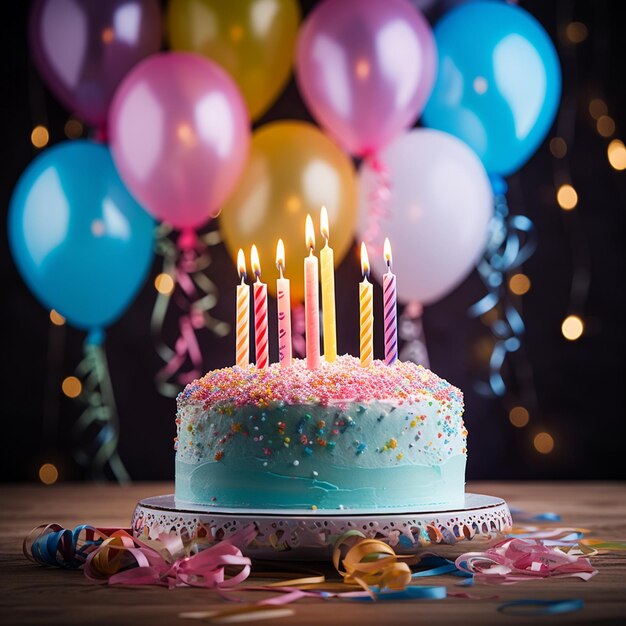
point(253, 40)
point(292, 169)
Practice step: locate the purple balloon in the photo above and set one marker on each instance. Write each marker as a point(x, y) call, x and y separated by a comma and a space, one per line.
point(179, 134)
point(84, 48)
point(365, 69)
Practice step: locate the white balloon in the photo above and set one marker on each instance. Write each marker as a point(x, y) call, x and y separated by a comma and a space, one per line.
point(437, 216)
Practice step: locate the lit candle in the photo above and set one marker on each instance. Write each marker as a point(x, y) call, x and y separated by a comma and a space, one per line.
point(284, 309)
point(311, 301)
point(390, 307)
point(366, 310)
point(260, 312)
point(242, 346)
point(327, 267)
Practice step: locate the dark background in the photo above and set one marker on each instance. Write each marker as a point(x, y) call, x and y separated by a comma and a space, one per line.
point(572, 389)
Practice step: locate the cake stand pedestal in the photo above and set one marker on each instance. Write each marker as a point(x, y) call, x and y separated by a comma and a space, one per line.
point(307, 535)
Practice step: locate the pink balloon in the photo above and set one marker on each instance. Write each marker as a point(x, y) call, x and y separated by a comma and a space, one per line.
point(439, 209)
point(365, 69)
point(179, 135)
point(84, 48)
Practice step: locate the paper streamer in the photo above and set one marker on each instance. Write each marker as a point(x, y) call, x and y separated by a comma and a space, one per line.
point(56, 546)
point(194, 295)
point(541, 607)
point(511, 241)
point(377, 204)
point(411, 333)
point(97, 428)
point(514, 560)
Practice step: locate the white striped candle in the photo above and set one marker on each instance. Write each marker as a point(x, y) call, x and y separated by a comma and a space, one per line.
point(260, 313)
point(390, 309)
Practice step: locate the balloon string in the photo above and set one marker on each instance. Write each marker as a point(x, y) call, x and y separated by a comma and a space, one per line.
point(512, 240)
point(99, 420)
point(411, 332)
point(377, 202)
point(298, 328)
point(194, 295)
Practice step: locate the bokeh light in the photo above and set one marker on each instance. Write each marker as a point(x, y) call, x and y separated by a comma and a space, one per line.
point(71, 387)
point(544, 443)
point(73, 128)
point(567, 197)
point(617, 154)
point(164, 284)
point(558, 147)
point(597, 108)
point(519, 284)
point(40, 137)
point(48, 474)
point(519, 416)
point(576, 32)
point(572, 327)
point(605, 126)
point(56, 318)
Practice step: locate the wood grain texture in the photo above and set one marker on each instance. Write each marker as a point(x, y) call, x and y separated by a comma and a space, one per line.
point(36, 595)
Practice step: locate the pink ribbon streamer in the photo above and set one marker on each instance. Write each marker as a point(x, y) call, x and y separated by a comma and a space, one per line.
point(378, 203)
point(125, 560)
point(514, 560)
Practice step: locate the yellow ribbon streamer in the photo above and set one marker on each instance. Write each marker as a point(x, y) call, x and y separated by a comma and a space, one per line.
point(371, 562)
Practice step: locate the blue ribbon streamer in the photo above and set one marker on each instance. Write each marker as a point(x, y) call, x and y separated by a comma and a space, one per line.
point(64, 548)
point(437, 565)
point(519, 515)
point(541, 607)
point(410, 593)
point(511, 241)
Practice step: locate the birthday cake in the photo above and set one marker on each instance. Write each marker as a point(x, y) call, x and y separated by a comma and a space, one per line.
point(343, 436)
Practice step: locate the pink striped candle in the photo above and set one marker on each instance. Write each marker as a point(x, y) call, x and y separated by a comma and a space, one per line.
point(260, 313)
point(390, 309)
point(311, 301)
point(284, 309)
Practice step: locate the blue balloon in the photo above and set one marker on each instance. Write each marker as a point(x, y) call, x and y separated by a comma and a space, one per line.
point(80, 240)
point(498, 84)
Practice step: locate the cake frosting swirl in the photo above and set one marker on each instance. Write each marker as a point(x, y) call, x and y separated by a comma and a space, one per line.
point(341, 436)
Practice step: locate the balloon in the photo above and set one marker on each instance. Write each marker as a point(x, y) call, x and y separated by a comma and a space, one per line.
point(498, 84)
point(439, 211)
point(179, 136)
point(83, 48)
point(253, 40)
point(365, 69)
point(80, 240)
point(293, 169)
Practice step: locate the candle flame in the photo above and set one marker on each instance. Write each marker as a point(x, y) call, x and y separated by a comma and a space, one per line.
point(387, 253)
point(310, 233)
point(324, 223)
point(365, 261)
point(280, 255)
point(254, 261)
point(241, 264)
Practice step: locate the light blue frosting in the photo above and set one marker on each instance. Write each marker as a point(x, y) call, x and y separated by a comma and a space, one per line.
point(380, 455)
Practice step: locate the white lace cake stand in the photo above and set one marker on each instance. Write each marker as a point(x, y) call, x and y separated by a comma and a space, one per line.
point(307, 534)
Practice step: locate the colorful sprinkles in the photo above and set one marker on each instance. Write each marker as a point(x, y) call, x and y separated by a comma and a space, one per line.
point(341, 382)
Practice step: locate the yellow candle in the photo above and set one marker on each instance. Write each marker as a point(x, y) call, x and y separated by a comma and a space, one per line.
point(327, 267)
point(242, 344)
point(367, 311)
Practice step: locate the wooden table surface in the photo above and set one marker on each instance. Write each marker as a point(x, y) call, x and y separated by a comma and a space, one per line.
point(37, 595)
